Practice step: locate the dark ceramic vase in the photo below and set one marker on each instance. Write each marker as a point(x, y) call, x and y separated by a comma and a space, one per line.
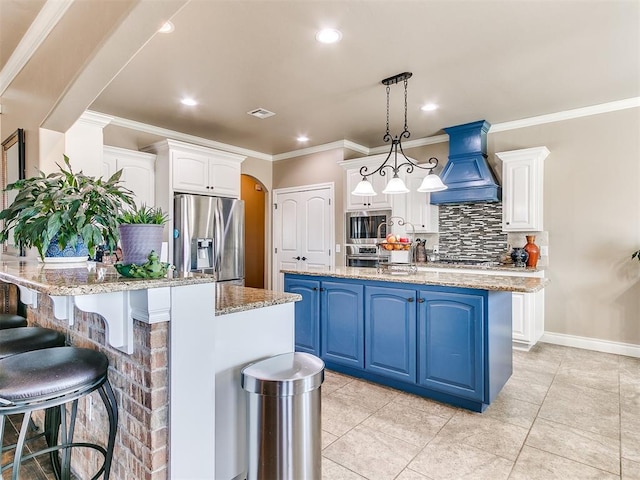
point(533, 250)
point(519, 257)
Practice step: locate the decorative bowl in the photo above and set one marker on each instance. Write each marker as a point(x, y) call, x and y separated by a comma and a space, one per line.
point(133, 270)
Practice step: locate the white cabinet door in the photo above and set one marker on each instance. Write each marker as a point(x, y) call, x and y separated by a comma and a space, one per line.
point(377, 202)
point(224, 178)
point(420, 212)
point(138, 172)
point(302, 231)
point(190, 172)
point(522, 189)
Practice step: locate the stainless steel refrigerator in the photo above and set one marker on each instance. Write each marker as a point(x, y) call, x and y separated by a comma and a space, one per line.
point(208, 236)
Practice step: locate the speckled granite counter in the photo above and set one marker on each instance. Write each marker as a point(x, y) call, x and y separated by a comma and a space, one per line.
point(482, 266)
point(233, 298)
point(447, 279)
point(84, 279)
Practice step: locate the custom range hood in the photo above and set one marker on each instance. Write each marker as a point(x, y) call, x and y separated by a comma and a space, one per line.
point(467, 173)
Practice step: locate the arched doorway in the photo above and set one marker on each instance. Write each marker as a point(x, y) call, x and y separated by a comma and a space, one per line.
point(254, 194)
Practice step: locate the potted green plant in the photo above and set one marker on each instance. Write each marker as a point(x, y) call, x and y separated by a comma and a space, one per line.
point(141, 233)
point(636, 254)
point(65, 214)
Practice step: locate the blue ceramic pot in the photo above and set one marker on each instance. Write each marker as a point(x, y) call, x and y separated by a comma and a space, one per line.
point(519, 257)
point(54, 249)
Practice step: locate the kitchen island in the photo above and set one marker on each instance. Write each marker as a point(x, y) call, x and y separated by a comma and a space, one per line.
point(443, 335)
point(163, 338)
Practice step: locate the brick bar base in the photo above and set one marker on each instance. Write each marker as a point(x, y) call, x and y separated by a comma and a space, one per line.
point(140, 382)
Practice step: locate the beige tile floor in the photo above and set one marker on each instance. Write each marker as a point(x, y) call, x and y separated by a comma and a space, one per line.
point(565, 414)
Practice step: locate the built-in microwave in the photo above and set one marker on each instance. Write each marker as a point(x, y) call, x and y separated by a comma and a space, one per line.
point(362, 226)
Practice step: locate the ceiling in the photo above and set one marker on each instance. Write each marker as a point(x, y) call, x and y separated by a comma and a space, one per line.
point(494, 60)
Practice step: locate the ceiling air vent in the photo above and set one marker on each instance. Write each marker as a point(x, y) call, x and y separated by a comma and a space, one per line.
point(261, 113)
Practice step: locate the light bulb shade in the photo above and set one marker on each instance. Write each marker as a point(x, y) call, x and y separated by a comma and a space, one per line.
point(432, 183)
point(395, 186)
point(364, 189)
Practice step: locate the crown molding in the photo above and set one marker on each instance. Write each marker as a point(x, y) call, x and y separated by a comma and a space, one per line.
point(185, 137)
point(567, 115)
point(94, 118)
point(49, 15)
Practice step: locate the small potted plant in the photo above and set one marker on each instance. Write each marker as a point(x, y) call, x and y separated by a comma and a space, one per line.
point(636, 254)
point(141, 233)
point(65, 214)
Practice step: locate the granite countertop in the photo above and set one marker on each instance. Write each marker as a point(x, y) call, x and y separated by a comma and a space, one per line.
point(447, 279)
point(493, 266)
point(233, 298)
point(84, 279)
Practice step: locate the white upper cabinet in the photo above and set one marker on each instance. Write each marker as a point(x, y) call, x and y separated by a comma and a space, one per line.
point(196, 169)
point(376, 202)
point(522, 189)
point(420, 212)
point(138, 172)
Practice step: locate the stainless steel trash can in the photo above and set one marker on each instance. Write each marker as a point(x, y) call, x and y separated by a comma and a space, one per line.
point(284, 417)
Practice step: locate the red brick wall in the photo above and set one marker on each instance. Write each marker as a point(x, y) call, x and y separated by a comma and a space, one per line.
point(140, 383)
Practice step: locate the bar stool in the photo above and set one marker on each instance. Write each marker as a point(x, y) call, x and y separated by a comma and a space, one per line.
point(18, 340)
point(24, 339)
point(53, 377)
point(8, 320)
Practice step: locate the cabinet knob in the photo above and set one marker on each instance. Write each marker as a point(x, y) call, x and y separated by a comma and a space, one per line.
point(421, 300)
point(296, 258)
point(208, 187)
point(410, 299)
point(304, 258)
point(322, 289)
point(315, 289)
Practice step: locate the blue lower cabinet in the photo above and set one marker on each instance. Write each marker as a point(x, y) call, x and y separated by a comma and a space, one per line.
point(342, 323)
point(447, 343)
point(307, 311)
point(451, 346)
point(390, 332)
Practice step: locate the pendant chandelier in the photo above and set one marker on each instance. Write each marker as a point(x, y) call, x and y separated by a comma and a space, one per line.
point(431, 182)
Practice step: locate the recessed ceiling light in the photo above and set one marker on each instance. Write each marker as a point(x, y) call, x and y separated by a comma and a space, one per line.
point(166, 27)
point(328, 35)
point(188, 101)
point(303, 138)
point(429, 107)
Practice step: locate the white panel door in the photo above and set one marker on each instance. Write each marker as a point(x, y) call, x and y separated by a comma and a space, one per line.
point(302, 231)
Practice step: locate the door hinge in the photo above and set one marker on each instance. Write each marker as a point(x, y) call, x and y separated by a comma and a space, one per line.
point(275, 206)
point(329, 201)
point(329, 252)
point(276, 250)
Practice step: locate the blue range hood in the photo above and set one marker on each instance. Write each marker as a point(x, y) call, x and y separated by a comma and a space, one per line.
point(467, 174)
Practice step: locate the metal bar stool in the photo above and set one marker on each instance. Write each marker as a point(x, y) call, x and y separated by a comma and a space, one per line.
point(15, 340)
point(24, 339)
point(8, 320)
point(42, 379)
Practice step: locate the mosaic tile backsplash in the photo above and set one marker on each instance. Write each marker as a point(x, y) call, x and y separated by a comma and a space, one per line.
point(472, 230)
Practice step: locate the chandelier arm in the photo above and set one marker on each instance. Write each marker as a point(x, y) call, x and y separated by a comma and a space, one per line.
point(380, 169)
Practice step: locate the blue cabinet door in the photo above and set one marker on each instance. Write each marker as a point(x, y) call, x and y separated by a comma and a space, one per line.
point(307, 335)
point(390, 332)
point(342, 324)
point(450, 343)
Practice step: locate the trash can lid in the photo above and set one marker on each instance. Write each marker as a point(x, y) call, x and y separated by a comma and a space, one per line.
point(284, 375)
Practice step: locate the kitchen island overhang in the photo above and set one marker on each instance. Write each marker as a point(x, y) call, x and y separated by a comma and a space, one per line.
point(165, 367)
point(446, 336)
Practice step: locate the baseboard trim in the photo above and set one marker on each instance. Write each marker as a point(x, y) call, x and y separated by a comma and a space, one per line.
point(606, 346)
